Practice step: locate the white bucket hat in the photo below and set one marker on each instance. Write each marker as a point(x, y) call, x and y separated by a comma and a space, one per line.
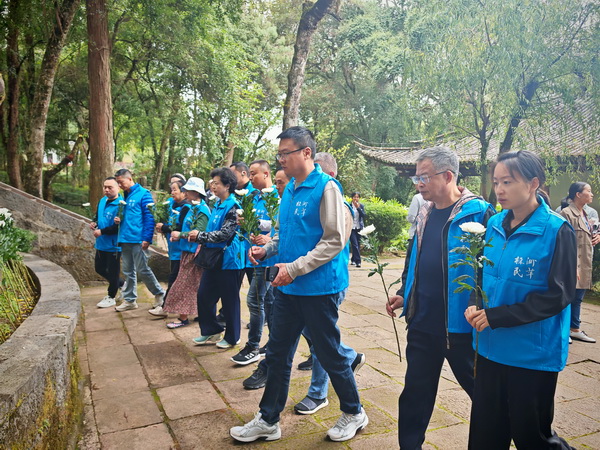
point(195, 184)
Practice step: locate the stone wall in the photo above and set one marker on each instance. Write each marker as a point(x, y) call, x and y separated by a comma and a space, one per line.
point(38, 357)
point(63, 237)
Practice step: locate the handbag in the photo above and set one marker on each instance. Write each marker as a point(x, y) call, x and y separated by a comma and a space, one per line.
point(211, 258)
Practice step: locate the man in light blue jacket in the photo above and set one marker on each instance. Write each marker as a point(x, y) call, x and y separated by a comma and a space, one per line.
point(135, 235)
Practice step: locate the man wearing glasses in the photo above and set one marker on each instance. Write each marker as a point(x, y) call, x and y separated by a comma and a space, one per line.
point(313, 271)
point(437, 328)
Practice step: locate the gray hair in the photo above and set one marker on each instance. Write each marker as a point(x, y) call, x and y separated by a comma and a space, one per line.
point(442, 158)
point(327, 162)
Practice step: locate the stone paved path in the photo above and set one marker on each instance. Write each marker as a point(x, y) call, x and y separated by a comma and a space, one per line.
point(150, 388)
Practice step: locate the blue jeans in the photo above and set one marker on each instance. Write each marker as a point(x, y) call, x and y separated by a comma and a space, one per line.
point(576, 309)
point(256, 305)
point(134, 261)
point(319, 383)
point(291, 313)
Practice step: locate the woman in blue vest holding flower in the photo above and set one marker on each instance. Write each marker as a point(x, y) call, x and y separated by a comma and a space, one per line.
point(524, 325)
point(221, 282)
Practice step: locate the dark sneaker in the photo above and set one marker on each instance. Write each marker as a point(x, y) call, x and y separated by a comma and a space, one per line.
point(246, 356)
point(358, 362)
point(263, 351)
point(306, 365)
point(257, 380)
point(310, 405)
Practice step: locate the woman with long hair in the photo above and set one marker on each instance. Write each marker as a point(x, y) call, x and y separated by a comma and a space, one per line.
point(524, 325)
point(580, 194)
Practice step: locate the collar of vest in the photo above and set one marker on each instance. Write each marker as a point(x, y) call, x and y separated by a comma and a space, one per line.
point(311, 180)
point(536, 224)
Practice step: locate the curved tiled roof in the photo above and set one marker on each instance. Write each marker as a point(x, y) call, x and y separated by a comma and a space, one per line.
point(569, 132)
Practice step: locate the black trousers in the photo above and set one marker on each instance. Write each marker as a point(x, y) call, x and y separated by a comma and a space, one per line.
point(513, 403)
point(173, 275)
point(355, 245)
point(108, 265)
point(220, 284)
point(425, 354)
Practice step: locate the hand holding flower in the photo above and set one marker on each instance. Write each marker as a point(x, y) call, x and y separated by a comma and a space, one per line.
point(193, 235)
point(175, 236)
point(395, 302)
point(477, 318)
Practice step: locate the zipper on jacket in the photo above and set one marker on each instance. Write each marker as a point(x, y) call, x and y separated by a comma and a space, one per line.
point(445, 277)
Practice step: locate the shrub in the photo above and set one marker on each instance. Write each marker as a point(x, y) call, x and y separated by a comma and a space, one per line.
point(388, 217)
point(12, 239)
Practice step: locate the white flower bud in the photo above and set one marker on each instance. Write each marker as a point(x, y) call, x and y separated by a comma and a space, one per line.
point(472, 227)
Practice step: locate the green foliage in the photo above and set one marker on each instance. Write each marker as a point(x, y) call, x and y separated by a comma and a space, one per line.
point(68, 194)
point(12, 239)
point(388, 217)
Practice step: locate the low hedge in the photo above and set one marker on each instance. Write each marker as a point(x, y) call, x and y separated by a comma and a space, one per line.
point(389, 218)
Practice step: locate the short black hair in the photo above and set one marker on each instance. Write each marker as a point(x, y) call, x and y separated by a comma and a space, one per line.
point(303, 138)
point(263, 163)
point(226, 176)
point(123, 173)
point(240, 166)
point(110, 178)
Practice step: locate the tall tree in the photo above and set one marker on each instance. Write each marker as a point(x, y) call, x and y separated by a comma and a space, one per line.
point(312, 13)
point(101, 145)
point(65, 11)
point(14, 88)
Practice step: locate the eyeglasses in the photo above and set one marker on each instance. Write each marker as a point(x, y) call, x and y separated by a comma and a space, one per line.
point(280, 156)
point(424, 178)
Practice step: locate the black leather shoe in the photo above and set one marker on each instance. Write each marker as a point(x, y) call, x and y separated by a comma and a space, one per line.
point(257, 380)
point(306, 365)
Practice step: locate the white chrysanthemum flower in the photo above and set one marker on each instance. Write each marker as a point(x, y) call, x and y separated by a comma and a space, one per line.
point(150, 205)
point(85, 205)
point(254, 210)
point(240, 212)
point(241, 192)
point(174, 211)
point(195, 202)
point(2, 223)
point(4, 211)
point(268, 190)
point(122, 202)
point(472, 227)
point(367, 230)
point(166, 202)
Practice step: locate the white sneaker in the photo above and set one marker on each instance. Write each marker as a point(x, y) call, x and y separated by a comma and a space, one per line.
point(126, 306)
point(347, 426)
point(255, 429)
point(159, 300)
point(106, 302)
point(158, 312)
point(582, 336)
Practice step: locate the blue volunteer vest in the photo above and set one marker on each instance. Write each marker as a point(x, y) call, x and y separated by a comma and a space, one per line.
point(471, 211)
point(132, 227)
point(185, 245)
point(234, 257)
point(175, 246)
point(300, 231)
point(107, 211)
point(521, 266)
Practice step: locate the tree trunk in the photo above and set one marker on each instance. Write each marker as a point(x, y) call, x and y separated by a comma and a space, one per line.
point(162, 152)
point(312, 13)
point(524, 103)
point(14, 87)
point(43, 92)
point(50, 174)
point(101, 145)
